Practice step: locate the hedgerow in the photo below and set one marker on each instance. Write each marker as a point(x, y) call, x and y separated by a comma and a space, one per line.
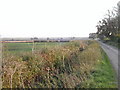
point(65, 66)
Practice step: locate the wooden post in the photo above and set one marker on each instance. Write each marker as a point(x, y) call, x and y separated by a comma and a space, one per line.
point(48, 69)
point(33, 47)
point(63, 61)
point(45, 44)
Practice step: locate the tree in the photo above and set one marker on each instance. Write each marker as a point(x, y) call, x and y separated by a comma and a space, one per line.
point(109, 27)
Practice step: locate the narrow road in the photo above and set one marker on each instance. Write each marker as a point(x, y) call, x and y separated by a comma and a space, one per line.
point(113, 55)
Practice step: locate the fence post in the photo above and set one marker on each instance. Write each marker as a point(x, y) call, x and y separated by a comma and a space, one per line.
point(33, 46)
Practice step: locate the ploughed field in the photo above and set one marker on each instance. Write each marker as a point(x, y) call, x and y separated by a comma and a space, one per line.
point(75, 64)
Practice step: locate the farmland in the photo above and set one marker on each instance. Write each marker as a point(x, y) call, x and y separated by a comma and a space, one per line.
point(76, 64)
point(27, 47)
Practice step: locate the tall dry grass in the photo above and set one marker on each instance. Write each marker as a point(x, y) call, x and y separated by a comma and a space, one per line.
point(64, 66)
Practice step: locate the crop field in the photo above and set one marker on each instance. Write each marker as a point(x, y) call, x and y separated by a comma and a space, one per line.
point(75, 64)
point(27, 47)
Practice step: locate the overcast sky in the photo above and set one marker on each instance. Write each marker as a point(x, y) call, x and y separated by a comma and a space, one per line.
point(51, 18)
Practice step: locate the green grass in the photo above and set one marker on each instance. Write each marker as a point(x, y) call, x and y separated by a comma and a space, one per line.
point(16, 48)
point(103, 76)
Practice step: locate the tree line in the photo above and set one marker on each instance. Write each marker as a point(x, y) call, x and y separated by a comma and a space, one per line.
point(109, 26)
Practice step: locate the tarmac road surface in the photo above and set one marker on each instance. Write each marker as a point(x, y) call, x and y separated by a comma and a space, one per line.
point(114, 55)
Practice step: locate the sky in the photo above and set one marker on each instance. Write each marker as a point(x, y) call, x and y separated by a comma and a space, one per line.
point(51, 18)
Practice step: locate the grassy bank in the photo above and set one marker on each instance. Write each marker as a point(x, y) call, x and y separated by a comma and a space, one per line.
point(77, 64)
point(103, 76)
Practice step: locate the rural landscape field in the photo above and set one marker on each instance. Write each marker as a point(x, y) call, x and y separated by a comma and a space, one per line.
point(66, 44)
point(75, 64)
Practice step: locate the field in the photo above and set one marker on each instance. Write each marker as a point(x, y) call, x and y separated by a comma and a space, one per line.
point(76, 64)
point(27, 47)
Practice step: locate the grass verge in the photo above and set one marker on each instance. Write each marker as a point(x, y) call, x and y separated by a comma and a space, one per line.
point(103, 76)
